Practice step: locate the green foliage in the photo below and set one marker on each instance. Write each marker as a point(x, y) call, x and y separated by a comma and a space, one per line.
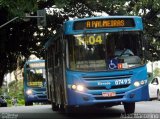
point(62, 3)
point(11, 84)
point(19, 7)
point(150, 77)
point(17, 39)
point(1, 91)
point(9, 102)
point(21, 102)
point(157, 72)
point(16, 90)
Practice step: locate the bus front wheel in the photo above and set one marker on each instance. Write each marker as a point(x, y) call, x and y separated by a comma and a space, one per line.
point(158, 95)
point(28, 103)
point(54, 107)
point(69, 110)
point(129, 107)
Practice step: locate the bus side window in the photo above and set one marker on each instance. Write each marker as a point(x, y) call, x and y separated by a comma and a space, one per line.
point(58, 51)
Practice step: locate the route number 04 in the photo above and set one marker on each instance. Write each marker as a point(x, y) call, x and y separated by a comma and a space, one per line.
point(90, 40)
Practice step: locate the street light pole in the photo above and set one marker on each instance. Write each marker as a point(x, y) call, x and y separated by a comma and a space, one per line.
point(8, 22)
point(41, 18)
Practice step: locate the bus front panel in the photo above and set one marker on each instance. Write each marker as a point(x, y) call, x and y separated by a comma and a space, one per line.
point(107, 87)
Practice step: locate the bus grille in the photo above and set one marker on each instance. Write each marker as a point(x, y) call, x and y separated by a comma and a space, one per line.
point(104, 88)
point(96, 78)
point(96, 91)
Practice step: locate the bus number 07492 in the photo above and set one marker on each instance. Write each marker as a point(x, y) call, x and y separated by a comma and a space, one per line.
point(122, 81)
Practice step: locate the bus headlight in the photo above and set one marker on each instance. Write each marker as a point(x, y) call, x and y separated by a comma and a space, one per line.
point(140, 83)
point(29, 92)
point(74, 87)
point(136, 84)
point(78, 87)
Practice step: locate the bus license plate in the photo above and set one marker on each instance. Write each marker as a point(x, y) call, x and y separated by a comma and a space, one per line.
point(108, 94)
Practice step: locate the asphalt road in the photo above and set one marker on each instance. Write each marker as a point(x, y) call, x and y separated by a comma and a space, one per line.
point(149, 109)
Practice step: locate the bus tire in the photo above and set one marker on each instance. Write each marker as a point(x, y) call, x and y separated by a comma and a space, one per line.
point(62, 109)
point(28, 103)
point(69, 110)
point(129, 107)
point(54, 107)
point(158, 95)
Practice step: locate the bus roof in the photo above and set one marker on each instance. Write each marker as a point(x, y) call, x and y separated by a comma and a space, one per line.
point(101, 17)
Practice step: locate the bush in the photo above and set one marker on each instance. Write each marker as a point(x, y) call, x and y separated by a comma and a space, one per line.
point(21, 102)
point(9, 102)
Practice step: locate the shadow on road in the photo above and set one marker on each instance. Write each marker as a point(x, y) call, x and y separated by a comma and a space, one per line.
point(47, 113)
point(96, 113)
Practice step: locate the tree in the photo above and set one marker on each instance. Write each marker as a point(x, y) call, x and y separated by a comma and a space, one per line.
point(22, 38)
point(16, 38)
point(157, 72)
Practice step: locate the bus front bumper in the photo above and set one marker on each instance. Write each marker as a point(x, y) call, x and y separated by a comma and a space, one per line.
point(83, 99)
point(36, 98)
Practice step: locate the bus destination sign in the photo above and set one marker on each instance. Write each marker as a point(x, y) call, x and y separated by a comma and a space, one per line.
point(36, 64)
point(104, 23)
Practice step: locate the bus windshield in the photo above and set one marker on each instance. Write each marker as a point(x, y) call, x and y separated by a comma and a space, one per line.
point(36, 77)
point(105, 51)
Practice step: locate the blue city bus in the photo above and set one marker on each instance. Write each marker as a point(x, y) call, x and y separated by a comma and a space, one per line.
point(97, 61)
point(35, 82)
